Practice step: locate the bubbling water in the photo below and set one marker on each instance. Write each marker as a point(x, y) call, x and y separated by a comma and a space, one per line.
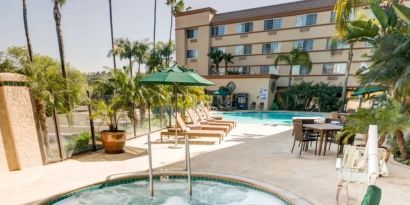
point(173, 192)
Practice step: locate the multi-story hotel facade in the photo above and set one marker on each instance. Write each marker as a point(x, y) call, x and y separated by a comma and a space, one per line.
point(256, 36)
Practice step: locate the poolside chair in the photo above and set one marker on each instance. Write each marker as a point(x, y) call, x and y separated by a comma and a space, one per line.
point(207, 112)
point(252, 106)
point(203, 115)
point(261, 106)
point(183, 130)
point(205, 125)
point(304, 137)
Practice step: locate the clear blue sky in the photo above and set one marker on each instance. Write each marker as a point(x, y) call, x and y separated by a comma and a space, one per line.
point(86, 25)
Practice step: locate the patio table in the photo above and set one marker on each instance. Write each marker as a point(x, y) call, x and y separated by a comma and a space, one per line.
point(323, 129)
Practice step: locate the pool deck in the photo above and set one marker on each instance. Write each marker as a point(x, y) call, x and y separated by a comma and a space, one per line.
point(260, 152)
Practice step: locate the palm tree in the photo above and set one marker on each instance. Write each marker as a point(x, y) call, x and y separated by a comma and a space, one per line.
point(344, 10)
point(57, 18)
point(155, 25)
point(176, 7)
point(295, 57)
point(125, 49)
point(141, 53)
point(112, 35)
point(30, 50)
point(227, 58)
point(216, 57)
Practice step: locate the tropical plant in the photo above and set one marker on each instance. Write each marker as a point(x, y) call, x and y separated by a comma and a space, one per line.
point(141, 53)
point(112, 34)
point(57, 18)
point(30, 50)
point(125, 49)
point(295, 57)
point(78, 143)
point(216, 57)
point(176, 7)
point(227, 58)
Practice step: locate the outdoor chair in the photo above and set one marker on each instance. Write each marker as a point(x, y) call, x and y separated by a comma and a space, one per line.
point(184, 130)
point(204, 114)
point(204, 125)
point(261, 106)
point(252, 106)
point(304, 137)
point(331, 136)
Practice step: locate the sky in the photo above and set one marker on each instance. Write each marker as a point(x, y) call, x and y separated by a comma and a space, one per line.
point(86, 29)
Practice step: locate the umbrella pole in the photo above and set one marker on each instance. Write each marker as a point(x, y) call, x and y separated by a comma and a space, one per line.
point(151, 183)
point(175, 146)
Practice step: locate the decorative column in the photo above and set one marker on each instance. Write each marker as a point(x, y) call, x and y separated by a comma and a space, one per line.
point(19, 143)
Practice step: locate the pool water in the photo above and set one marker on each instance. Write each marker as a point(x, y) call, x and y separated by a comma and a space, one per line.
point(280, 118)
point(174, 192)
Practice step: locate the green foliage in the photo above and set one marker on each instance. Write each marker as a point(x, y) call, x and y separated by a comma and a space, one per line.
point(294, 57)
point(216, 57)
point(275, 106)
point(306, 96)
point(78, 143)
point(396, 151)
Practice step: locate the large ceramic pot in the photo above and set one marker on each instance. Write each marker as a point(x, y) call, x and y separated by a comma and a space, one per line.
point(113, 141)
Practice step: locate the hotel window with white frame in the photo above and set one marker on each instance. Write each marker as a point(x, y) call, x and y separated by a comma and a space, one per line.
point(305, 45)
point(192, 33)
point(269, 69)
point(218, 30)
point(306, 20)
point(244, 27)
point(222, 49)
point(300, 70)
point(336, 44)
point(272, 24)
point(243, 49)
point(273, 47)
point(334, 68)
point(191, 54)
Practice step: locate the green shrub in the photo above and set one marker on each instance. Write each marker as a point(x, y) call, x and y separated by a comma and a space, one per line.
point(396, 152)
point(275, 106)
point(78, 143)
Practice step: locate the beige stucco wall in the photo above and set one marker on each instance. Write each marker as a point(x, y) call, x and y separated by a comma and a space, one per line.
point(3, 158)
point(251, 86)
point(17, 125)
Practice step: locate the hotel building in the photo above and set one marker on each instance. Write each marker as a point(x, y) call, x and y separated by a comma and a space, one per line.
point(256, 36)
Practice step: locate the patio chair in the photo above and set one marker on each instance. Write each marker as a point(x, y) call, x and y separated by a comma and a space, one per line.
point(205, 109)
point(261, 106)
point(204, 115)
point(252, 106)
point(204, 125)
point(183, 130)
point(331, 137)
point(302, 136)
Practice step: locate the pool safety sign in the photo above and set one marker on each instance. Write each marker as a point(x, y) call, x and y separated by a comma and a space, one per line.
point(263, 92)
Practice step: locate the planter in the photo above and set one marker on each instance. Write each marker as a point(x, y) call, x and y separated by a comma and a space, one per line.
point(113, 142)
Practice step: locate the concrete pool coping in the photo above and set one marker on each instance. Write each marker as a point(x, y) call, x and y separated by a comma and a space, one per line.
point(274, 190)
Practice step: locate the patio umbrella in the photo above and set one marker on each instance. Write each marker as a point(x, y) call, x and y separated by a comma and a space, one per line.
point(176, 75)
point(367, 90)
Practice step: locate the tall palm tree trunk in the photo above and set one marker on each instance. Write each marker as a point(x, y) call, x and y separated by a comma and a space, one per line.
point(130, 67)
point(155, 24)
point(399, 137)
point(289, 85)
point(41, 117)
point(30, 50)
point(169, 40)
point(112, 36)
point(344, 91)
point(139, 68)
point(57, 18)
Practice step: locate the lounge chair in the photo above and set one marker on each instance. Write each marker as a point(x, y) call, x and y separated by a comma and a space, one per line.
point(212, 121)
point(209, 114)
point(183, 130)
point(261, 106)
point(304, 137)
point(204, 125)
point(216, 119)
point(252, 106)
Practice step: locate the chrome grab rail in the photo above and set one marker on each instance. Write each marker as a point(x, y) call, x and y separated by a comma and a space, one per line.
point(151, 181)
point(188, 165)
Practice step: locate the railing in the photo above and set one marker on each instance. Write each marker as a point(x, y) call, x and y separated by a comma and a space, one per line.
point(244, 70)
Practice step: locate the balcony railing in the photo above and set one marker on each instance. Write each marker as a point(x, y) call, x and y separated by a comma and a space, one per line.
point(245, 70)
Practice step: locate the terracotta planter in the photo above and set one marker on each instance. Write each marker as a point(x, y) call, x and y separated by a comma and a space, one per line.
point(113, 141)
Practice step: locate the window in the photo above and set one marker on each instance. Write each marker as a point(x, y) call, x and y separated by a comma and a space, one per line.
point(243, 49)
point(239, 70)
point(306, 20)
point(191, 54)
point(244, 27)
point(336, 44)
point(306, 45)
point(333, 17)
point(269, 69)
point(222, 49)
point(273, 47)
point(192, 33)
point(300, 70)
point(334, 69)
point(218, 30)
point(273, 24)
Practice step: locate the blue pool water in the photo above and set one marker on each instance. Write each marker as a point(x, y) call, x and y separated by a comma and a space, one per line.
point(279, 118)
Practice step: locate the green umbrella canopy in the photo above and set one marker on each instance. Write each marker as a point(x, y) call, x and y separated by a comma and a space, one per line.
point(222, 91)
point(368, 89)
point(176, 74)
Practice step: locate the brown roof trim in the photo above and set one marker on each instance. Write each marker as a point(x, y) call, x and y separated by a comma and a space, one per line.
point(270, 76)
point(196, 11)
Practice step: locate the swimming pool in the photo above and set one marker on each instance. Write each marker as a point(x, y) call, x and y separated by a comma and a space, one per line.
point(172, 190)
point(280, 118)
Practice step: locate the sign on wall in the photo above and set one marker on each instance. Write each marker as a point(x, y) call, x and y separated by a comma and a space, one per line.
point(263, 93)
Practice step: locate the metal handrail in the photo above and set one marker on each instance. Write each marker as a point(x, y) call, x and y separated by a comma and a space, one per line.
point(151, 181)
point(188, 165)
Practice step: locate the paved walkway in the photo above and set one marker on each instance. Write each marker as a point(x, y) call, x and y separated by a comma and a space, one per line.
point(256, 151)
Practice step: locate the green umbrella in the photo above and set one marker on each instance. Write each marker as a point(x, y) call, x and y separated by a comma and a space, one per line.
point(367, 90)
point(222, 92)
point(176, 75)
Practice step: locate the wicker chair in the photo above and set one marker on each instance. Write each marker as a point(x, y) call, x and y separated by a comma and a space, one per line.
point(303, 136)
